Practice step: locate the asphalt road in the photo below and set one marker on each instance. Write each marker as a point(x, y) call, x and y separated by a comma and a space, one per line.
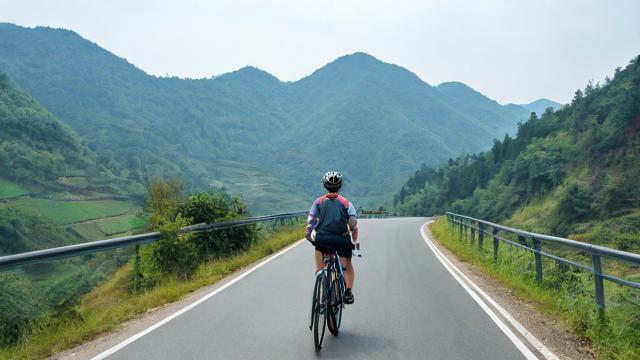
point(407, 307)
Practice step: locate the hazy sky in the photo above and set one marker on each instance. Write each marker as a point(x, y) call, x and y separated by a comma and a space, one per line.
point(512, 51)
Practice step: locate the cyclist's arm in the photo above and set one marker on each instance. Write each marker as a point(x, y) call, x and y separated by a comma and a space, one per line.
point(353, 222)
point(312, 220)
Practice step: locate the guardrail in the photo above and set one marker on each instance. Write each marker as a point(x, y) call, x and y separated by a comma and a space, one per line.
point(463, 223)
point(34, 257)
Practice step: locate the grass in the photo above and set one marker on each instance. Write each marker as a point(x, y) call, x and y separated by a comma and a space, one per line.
point(107, 306)
point(66, 212)
point(120, 224)
point(10, 189)
point(565, 294)
point(89, 231)
point(110, 227)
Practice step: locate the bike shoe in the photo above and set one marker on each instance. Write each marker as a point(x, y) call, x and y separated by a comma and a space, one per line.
point(348, 298)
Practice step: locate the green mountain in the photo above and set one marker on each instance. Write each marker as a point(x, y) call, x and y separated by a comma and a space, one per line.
point(39, 152)
point(49, 180)
point(246, 130)
point(540, 105)
point(575, 171)
point(495, 116)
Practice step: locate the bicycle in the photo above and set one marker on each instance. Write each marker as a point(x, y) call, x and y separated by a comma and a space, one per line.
point(327, 301)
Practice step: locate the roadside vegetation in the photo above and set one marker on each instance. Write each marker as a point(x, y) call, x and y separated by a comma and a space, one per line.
point(566, 293)
point(147, 277)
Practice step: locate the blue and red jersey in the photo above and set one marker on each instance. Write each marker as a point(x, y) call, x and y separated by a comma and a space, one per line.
point(346, 208)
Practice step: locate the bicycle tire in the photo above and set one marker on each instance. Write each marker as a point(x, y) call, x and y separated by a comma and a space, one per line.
point(313, 302)
point(335, 315)
point(341, 289)
point(320, 318)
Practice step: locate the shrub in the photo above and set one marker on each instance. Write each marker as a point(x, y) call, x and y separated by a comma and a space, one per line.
point(175, 253)
point(209, 207)
point(17, 307)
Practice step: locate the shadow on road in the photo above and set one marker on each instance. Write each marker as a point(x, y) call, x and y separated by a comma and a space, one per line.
point(354, 345)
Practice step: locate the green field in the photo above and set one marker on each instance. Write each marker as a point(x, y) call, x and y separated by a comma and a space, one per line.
point(67, 212)
point(120, 224)
point(11, 189)
point(110, 227)
point(89, 231)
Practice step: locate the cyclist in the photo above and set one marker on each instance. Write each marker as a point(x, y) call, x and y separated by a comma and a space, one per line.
point(330, 220)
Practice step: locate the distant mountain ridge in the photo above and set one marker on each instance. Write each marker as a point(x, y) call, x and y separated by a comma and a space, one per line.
point(539, 106)
point(249, 131)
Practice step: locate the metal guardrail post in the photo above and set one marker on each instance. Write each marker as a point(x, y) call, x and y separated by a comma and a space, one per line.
point(464, 230)
point(473, 232)
point(538, 256)
point(496, 243)
point(137, 273)
point(480, 235)
point(597, 278)
point(522, 240)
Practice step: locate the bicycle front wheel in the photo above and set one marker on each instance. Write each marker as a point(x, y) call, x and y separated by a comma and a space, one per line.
point(335, 306)
point(320, 311)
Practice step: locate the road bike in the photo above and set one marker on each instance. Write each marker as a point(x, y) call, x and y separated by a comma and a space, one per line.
point(327, 301)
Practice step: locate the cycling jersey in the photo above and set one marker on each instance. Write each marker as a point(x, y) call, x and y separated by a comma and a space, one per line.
point(329, 216)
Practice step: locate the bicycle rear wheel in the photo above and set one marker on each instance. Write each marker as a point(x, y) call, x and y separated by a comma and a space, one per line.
point(320, 310)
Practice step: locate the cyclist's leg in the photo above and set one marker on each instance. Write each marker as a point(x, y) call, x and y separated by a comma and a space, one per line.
point(349, 272)
point(319, 262)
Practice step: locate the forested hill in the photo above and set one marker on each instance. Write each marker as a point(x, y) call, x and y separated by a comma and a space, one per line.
point(573, 171)
point(267, 139)
point(44, 170)
point(41, 154)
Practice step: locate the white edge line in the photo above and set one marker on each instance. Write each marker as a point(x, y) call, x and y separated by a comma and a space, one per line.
point(537, 344)
point(192, 305)
point(514, 339)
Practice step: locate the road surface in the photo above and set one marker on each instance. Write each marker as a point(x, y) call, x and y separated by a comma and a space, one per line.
point(408, 306)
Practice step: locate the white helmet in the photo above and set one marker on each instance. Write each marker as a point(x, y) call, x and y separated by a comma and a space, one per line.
point(332, 181)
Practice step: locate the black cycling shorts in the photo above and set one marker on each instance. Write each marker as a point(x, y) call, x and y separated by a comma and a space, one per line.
point(330, 243)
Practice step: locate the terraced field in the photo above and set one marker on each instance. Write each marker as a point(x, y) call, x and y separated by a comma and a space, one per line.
point(9, 189)
point(110, 227)
point(69, 212)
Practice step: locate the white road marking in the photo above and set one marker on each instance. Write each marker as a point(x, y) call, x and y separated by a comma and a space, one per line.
point(457, 274)
point(192, 305)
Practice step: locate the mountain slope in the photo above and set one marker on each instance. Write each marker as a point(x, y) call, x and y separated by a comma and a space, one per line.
point(492, 114)
point(572, 172)
point(246, 130)
point(45, 170)
point(39, 152)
